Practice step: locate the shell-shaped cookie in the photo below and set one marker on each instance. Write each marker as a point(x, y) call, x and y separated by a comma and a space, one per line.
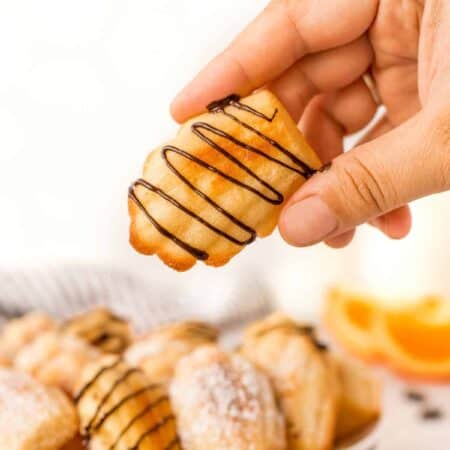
point(223, 402)
point(33, 416)
point(303, 375)
point(359, 399)
point(121, 409)
point(220, 182)
point(19, 332)
point(160, 350)
point(100, 328)
point(56, 359)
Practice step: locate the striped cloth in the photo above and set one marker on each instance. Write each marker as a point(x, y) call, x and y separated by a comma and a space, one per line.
point(64, 291)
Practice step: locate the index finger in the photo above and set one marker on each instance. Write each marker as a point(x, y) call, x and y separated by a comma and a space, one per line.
point(282, 34)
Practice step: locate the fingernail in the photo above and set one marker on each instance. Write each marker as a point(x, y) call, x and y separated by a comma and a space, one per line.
point(308, 221)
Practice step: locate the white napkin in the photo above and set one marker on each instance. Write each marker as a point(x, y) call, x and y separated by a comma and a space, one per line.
point(62, 291)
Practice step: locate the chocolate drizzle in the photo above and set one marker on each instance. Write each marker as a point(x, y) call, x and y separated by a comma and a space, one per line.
point(288, 326)
point(100, 328)
point(109, 341)
point(124, 400)
point(97, 420)
point(141, 414)
point(296, 329)
point(266, 191)
point(103, 337)
point(94, 379)
point(153, 429)
point(91, 424)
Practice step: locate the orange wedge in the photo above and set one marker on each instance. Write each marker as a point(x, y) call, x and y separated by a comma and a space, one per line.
point(352, 320)
point(415, 341)
point(412, 340)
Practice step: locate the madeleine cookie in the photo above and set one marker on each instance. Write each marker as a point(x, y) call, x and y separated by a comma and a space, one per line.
point(303, 375)
point(100, 328)
point(222, 402)
point(33, 416)
point(19, 332)
point(220, 183)
point(120, 409)
point(359, 399)
point(159, 351)
point(56, 359)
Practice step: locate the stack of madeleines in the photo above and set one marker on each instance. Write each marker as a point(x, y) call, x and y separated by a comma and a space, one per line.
point(89, 383)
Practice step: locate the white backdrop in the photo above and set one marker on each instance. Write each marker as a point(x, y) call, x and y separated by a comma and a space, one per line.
point(84, 93)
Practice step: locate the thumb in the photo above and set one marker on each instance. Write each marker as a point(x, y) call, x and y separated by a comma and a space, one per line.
point(409, 162)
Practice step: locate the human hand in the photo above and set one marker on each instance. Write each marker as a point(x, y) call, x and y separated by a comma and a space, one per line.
point(313, 55)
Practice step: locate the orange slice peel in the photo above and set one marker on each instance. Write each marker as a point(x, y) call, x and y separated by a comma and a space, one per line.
point(412, 340)
point(352, 319)
point(416, 341)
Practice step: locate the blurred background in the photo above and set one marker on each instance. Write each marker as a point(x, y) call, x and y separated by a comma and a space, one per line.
point(85, 88)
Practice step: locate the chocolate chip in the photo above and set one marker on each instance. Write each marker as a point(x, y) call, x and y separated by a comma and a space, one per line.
point(414, 396)
point(432, 414)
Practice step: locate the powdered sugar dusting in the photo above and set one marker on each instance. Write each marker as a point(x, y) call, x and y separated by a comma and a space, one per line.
point(29, 410)
point(224, 403)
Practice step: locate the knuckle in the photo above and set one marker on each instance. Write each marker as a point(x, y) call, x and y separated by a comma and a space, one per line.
point(365, 190)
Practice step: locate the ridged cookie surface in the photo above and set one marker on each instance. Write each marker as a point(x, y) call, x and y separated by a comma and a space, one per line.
point(120, 408)
point(304, 378)
point(220, 183)
point(19, 332)
point(56, 359)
